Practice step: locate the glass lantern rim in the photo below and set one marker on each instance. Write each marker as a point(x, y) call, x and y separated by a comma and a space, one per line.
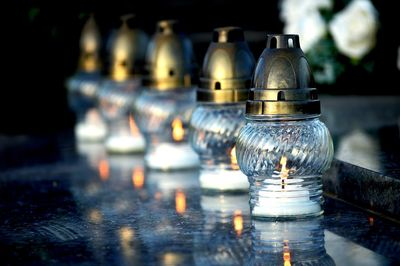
point(271, 118)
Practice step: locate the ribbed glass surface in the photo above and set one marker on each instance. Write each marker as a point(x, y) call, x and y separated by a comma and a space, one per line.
point(214, 129)
point(163, 118)
point(284, 161)
point(82, 92)
point(115, 101)
point(116, 98)
point(155, 111)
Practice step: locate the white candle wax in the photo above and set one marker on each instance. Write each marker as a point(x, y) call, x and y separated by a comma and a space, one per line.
point(86, 131)
point(166, 156)
point(125, 143)
point(223, 180)
point(291, 200)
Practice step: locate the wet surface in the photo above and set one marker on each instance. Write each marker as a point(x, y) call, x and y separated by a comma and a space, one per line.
point(81, 206)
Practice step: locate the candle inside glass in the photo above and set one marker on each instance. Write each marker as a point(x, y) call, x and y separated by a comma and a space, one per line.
point(224, 179)
point(214, 128)
point(92, 128)
point(116, 99)
point(127, 140)
point(284, 196)
point(174, 155)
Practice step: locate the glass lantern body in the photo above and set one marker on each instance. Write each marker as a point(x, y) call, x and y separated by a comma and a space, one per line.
point(163, 118)
point(82, 89)
point(284, 160)
point(115, 100)
point(82, 99)
point(214, 129)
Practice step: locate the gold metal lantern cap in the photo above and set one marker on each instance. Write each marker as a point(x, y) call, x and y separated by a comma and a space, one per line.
point(89, 60)
point(128, 51)
point(170, 59)
point(282, 83)
point(227, 68)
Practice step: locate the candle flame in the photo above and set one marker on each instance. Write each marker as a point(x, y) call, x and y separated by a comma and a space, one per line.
point(234, 162)
point(238, 222)
point(133, 127)
point(180, 202)
point(177, 130)
point(104, 170)
point(138, 177)
point(284, 171)
point(286, 253)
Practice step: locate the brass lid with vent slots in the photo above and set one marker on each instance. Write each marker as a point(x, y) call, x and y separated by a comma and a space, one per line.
point(128, 51)
point(282, 83)
point(89, 60)
point(227, 68)
point(170, 59)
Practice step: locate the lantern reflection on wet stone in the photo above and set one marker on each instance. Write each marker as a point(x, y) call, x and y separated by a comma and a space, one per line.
point(164, 107)
point(219, 115)
point(225, 236)
point(117, 93)
point(172, 204)
point(297, 242)
point(284, 148)
point(83, 87)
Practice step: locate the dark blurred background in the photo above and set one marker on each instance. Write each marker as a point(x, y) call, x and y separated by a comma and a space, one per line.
point(44, 44)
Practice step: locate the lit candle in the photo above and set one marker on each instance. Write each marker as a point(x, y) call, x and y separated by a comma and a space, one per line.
point(92, 128)
point(219, 114)
point(224, 179)
point(282, 126)
point(163, 108)
point(126, 142)
point(178, 155)
point(118, 92)
point(172, 156)
point(282, 196)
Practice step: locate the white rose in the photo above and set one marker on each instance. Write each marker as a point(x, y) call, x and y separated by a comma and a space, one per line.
point(293, 10)
point(310, 28)
point(354, 28)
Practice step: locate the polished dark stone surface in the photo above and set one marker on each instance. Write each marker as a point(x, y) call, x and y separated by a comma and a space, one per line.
point(365, 131)
point(62, 204)
point(363, 187)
